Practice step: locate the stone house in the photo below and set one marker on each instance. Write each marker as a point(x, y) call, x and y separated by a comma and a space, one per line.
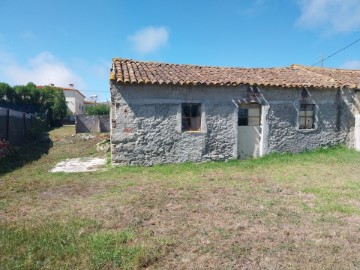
point(170, 113)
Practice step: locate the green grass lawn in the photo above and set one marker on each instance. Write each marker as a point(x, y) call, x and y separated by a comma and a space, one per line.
point(277, 212)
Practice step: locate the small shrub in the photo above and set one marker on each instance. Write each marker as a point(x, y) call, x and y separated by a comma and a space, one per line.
point(100, 109)
point(5, 148)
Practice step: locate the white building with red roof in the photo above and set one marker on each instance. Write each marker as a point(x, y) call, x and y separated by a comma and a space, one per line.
point(74, 98)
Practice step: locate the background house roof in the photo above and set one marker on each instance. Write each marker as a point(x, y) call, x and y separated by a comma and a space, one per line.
point(128, 71)
point(62, 88)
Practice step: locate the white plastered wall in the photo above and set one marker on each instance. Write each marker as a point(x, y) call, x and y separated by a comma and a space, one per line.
point(357, 124)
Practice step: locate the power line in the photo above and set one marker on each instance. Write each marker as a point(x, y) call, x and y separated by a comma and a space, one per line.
point(323, 59)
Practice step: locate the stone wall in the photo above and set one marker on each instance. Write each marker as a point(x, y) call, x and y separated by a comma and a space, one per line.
point(146, 125)
point(104, 123)
point(334, 120)
point(92, 123)
point(146, 122)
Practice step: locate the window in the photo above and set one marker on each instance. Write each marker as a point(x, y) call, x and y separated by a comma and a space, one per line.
point(307, 116)
point(191, 117)
point(249, 115)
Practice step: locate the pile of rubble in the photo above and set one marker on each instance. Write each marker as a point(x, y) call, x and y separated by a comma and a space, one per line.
point(5, 148)
point(103, 146)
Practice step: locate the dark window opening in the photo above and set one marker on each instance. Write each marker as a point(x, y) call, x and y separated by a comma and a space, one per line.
point(191, 117)
point(249, 115)
point(307, 116)
point(243, 117)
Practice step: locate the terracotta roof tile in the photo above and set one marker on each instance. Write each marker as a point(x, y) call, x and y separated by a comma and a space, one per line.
point(344, 77)
point(137, 72)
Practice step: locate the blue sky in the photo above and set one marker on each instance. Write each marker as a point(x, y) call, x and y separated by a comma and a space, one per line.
point(73, 41)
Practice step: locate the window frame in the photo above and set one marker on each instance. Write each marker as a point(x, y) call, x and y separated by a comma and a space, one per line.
point(245, 117)
point(307, 115)
point(189, 120)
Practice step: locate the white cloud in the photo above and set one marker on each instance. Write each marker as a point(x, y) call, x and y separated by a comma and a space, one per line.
point(101, 69)
point(334, 15)
point(43, 69)
point(352, 64)
point(150, 39)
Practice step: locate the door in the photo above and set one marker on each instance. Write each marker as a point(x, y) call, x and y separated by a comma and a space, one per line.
point(357, 132)
point(249, 131)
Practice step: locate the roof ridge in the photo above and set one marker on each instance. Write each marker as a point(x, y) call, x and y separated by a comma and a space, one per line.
point(129, 71)
point(308, 69)
point(60, 87)
point(330, 68)
point(191, 65)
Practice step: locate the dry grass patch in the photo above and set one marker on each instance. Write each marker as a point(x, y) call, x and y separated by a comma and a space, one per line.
point(278, 212)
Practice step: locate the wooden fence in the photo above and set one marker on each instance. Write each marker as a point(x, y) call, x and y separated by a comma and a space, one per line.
point(16, 127)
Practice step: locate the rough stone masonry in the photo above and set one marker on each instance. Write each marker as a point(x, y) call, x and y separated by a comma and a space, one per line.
point(298, 108)
point(146, 122)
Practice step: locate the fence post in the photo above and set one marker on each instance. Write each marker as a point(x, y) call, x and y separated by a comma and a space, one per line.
point(7, 124)
point(24, 123)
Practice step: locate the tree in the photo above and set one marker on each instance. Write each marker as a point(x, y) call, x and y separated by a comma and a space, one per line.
point(48, 101)
point(22, 94)
point(6, 93)
point(59, 107)
point(54, 103)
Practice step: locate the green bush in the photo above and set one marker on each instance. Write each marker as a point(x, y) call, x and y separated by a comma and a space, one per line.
point(37, 127)
point(99, 109)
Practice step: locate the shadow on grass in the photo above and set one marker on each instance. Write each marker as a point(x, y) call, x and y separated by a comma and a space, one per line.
point(26, 153)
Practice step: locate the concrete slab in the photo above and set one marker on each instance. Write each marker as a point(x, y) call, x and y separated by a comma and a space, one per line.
point(84, 164)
